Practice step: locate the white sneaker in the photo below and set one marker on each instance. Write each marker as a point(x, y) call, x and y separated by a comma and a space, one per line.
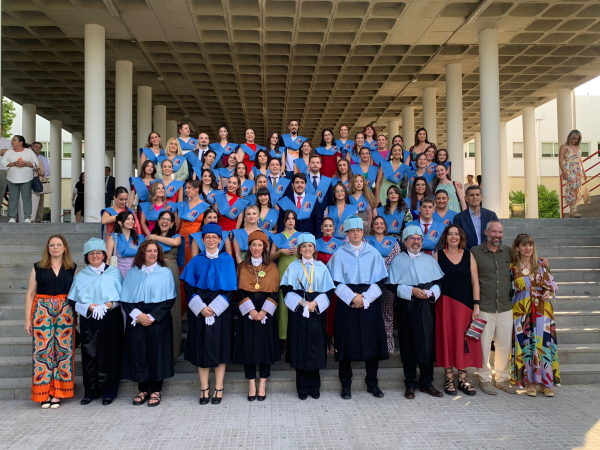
point(27, 220)
point(12, 221)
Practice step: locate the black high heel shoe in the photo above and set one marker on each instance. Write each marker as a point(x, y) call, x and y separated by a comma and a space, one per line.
point(216, 400)
point(251, 398)
point(204, 400)
point(261, 398)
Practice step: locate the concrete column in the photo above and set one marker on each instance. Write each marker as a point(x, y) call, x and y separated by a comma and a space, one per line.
point(108, 161)
point(489, 92)
point(505, 213)
point(123, 122)
point(477, 154)
point(95, 122)
point(28, 128)
point(144, 118)
point(393, 130)
point(429, 113)
point(565, 114)
point(574, 103)
point(55, 170)
point(529, 161)
point(160, 121)
point(75, 159)
point(172, 132)
point(454, 120)
point(408, 126)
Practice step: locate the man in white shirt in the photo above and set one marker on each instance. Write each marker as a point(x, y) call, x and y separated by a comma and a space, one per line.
point(314, 179)
point(37, 149)
point(275, 169)
point(4, 146)
point(203, 147)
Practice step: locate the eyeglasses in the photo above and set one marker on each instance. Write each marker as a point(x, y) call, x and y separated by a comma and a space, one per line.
point(165, 219)
point(211, 237)
point(98, 253)
point(415, 239)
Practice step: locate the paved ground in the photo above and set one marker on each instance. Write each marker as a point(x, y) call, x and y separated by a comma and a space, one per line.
point(571, 420)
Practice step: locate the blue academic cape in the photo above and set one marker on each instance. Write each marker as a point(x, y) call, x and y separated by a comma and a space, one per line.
point(324, 151)
point(191, 215)
point(395, 176)
point(278, 190)
point(322, 187)
point(140, 187)
point(385, 246)
point(345, 148)
point(127, 248)
point(151, 213)
point(269, 221)
point(246, 187)
point(371, 145)
point(198, 238)
point(227, 150)
point(361, 203)
point(412, 174)
point(281, 241)
point(302, 166)
point(329, 247)
point(151, 156)
point(88, 287)
point(371, 174)
point(177, 161)
point(433, 234)
point(189, 145)
point(180, 249)
point(448, 217)
point(322, 281)
point(154, 287)
point(211, 274)
point(294, 145)
point(338, 222)
point(368, 268)
point(232, 211)
point(393, 221)
point(303, 213)
point(413, 272)
point(277, 153)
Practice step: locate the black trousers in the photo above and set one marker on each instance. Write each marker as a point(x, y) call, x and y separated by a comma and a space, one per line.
point(150, 386)
point(425, 376)
point(264, 371)
point(345, 372)
point(308, 382)
point(109, 390)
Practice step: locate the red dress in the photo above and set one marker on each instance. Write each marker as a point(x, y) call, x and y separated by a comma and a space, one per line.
point(249, 164)
point(324, 258)
point(225, 222)
point(329, 164)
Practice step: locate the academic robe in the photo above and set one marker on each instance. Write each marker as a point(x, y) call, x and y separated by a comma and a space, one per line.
point(306, 343)
point(255, 342)
point(359, 332)
point(101, 339)
point(416, 317)
point(148, 351)
point(213, 281)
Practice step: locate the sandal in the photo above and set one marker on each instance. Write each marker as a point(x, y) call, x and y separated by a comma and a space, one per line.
point(531, 390)
point(463, 385)
point(55, 404)
point(204, 400)
point(154, 399)
point(46, 404)
point(548, 392)
point(449, 384)
point(141, 398)
point(216, 400)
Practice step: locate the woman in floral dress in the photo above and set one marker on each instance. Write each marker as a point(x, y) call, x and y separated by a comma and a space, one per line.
point(571, 168)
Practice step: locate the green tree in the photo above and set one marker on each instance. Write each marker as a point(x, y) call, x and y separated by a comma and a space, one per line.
point(8, 116)
point(548, 202)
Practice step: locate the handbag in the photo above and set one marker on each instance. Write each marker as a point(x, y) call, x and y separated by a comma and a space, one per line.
point(585, 194)
point(113, 259)
point(474, 331)
point(36, 185)
point(47, 187)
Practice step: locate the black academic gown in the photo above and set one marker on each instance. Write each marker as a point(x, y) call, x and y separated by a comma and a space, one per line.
point(306, 343)
point(208, 346)
point(256, 343)
point(360, 333)
point(148, 351)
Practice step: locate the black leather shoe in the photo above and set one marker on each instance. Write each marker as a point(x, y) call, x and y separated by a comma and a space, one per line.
point(107, 401)
point(86, 401)
point(376, 392)
point(216, 400)
point(316, 396)
point(251, 398)
point(204, 399)
point(431, 391)
point(302, 396)
point(346, 393)
point(410, 393)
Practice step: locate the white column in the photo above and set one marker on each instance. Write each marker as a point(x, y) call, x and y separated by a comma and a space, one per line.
point(95, 122)
point(505, 213)
point(28, 128)
point(574, 103)
point(477, 154)
point(454, 120)
point(408, 126)
point(565, 114)
point(489, 92)
point(393, 130)
point(160, 121)
point(123, 122)
point(75, 160)
point(529, 161)
point(55, 170)
point(108, 160)
point(172, 131)
point(429, 113)
point(144, 118)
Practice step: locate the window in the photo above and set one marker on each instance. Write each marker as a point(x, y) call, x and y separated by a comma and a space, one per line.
point(517, 149)
point(471, 149)
point(45, 149)
point(584, 147)
point(66, 149)
point(550, 149)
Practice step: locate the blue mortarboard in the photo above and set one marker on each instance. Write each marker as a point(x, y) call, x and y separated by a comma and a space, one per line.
point(94, 244)
point(306, 238)
point(410, 231)
point(212, 228)
point(352, 222)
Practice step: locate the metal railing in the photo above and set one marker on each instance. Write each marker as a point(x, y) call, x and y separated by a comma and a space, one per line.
point(563, 206)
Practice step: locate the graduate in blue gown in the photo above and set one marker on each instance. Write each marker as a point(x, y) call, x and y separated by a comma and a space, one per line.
point(442, 213)
point(307, 286)
point(432, 230)
point(209, 282)
point(358, 271)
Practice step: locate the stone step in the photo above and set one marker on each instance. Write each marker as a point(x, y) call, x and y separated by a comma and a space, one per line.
point(534, 223)
point(12, 311)
point(38, 247)
point(578, 334)
point(552, 231)
point(12, 295)
point(49, 228)
point(588, 262)
point(15, 284)
point(42, 238)
point(581, 251)
point(577, 318)
point(576, 274)
point(573, 240)
point(578, 288)
point(578, 354)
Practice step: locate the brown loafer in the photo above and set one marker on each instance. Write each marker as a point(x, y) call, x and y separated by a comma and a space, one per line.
point(431, 391)
point(410, 393)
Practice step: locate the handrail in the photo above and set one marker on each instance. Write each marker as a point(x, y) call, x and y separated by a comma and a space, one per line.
point(587, 180)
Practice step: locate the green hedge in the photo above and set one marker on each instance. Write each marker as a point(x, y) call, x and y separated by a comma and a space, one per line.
point(548, 202)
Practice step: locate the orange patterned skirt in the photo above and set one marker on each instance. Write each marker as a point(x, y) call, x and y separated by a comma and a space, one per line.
point(53, 348)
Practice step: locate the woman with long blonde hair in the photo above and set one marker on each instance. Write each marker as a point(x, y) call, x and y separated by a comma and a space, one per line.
point(175, 155)
point(362, 196)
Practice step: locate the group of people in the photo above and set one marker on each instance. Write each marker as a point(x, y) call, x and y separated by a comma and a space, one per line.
point(294, 252)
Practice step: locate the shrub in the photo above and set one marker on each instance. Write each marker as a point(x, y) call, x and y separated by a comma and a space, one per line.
point(548, 202)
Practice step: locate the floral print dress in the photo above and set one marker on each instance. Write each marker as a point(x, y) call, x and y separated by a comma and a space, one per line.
point(534, 357)
point(572, 164)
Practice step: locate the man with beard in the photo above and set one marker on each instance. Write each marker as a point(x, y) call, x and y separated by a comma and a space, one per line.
point(292, 142)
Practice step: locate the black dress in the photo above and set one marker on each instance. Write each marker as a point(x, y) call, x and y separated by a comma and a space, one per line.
point(79, 200)
point(48, 283)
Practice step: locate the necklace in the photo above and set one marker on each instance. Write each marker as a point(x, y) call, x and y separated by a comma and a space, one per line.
point(261, 274)
point(312, 276)
point(525, 271)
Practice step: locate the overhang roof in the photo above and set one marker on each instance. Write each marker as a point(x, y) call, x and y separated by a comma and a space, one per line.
point(258, 63)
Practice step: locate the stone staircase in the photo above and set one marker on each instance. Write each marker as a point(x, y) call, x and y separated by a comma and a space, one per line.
point(571, 245)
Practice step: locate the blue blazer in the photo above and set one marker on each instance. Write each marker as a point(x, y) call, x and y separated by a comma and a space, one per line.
point(311, 225)
point(463, 220)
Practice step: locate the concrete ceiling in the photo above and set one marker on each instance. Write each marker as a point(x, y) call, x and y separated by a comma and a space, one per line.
point(258, 63)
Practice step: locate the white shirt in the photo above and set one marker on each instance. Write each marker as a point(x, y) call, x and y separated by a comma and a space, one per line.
point(256, 261)
point(46, 164)
point(5, 144)
point(356, 249)
point(274, 179)
point(307, 261)
point(296, 196)
point(425, 223)
point(99, 270)
point(212, 255)
point(19, 175)
point(312, 175)
point(149, 269)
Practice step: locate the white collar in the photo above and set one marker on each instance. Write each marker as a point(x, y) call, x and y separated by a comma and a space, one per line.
point(426, 223)
point(318, 175)
point(212, 255)
point(413, 256)
point(149, 269)
point(299, 195)
point(256, 261)
point(307, 261)
point(356, 248)
point(99, 270)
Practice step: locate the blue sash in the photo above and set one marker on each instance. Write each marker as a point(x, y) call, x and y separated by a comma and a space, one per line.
point(151, 213)
point(177, 162)
point(232, 211)
point(193, 159)
point(301, 165)
point(448, 164)
point(270, 220)
point(210, 197)
point(372, 146)
point(227, 150)
point(241, 236)
point(294, 145)
point(413, 174)
point(386, 245)
point(277, 154)
point(113, 212)
point(378, 158)
point(322, 187)
point(180, 250)
point(433, 234)
point(191, 215)
point(307, 205)
point(329, 247)
point(198, 238)
point(393, 221)
point(394, 175)
point(250, 199)
point(218, 156)
point(248, 151)
point(173, 188)
point(198, 171)
point(140, 187)
point(189, 145)
point(338, 222)
point(406, 154)
point(327, 152)
point(279, 189)
point(151, 156)
point(415, 213)
point(257, 172)
point(448, 217)
point(281, 241)
point(247, 187)
point(371, 175)
point(355, 158)
point(361, 203)
point(345, 148)
point(127, 248)
point(336, 180)
point(225, 172)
